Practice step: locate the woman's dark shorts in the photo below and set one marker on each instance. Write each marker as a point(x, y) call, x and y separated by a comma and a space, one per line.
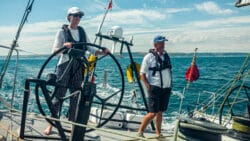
point(158, 99)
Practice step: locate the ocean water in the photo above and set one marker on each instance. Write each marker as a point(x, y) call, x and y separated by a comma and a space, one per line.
point(215, 71)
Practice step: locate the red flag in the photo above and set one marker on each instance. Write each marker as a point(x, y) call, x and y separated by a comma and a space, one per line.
point(192, 72)
point(110, 5)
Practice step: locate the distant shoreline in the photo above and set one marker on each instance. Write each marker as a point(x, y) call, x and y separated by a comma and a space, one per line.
point(171, 54)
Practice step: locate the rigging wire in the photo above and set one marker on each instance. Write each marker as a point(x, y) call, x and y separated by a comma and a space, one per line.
point(14, 43)
point(239, 79)
point(226, 87)
point(13, 47)
point(20, 50)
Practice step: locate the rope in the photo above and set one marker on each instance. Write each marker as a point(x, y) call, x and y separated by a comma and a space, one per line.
point(227, 88)
point(219, 94)
point(14, 87)
point(38, 117)
point(14, 43)
point(236, 97)
point(10, 132)
point(233, 84)
point(19, 50)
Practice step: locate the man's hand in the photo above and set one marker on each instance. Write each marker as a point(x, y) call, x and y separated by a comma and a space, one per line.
point(68, 44)
point(147, 86)
point(104, 52)
point(145, 80)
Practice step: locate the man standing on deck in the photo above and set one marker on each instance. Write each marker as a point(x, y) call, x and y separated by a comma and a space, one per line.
point(157, 77)
point(67, 35)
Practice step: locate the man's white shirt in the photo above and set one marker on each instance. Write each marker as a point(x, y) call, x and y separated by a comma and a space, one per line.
point(149, 61)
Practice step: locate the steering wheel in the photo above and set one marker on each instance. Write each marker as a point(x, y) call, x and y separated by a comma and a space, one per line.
point(109, 80)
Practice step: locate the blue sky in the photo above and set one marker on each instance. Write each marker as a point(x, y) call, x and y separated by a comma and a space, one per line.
point(211, 26)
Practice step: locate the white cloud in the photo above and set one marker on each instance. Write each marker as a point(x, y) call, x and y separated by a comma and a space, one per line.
point(40, 27)
point(222, 22)
point(177, 10)
point(31, 32)
point(214, 35)
point(224, 34)
point(187, 37)
point(128, 17)
point(212, 8)
point(34, 37)
point(93, 6)
point(43, 27)
point(133, 17)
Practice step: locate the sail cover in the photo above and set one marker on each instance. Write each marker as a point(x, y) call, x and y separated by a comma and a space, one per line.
point(241, 3)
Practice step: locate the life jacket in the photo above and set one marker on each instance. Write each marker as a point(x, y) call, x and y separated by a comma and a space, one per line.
point(164, 64)
point(69, 38)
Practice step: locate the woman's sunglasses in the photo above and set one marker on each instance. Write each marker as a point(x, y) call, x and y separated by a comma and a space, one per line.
point(76, 15)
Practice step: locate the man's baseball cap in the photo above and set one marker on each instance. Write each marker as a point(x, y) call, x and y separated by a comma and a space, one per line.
point(75, 10)
point(159, 38)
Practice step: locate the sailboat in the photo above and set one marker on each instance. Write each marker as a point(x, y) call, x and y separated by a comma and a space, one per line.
point(102, 113)
point(219, 117)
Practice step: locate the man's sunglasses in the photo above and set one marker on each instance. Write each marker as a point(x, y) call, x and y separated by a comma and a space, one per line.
point(76, 15)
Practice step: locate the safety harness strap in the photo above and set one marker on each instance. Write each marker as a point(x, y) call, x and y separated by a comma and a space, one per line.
point(69, 38)
point(164, 64)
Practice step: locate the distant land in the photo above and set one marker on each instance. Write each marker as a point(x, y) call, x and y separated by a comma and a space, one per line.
point(136, 54)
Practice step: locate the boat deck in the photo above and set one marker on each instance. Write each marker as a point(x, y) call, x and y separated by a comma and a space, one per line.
point(35, 126)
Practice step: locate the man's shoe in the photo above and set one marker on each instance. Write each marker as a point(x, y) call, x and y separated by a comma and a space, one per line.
point(159, 136)
point(140, 135)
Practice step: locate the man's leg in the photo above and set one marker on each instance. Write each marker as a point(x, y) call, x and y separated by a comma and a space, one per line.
point(164, 96)
point(158, 122)
point(145, 121)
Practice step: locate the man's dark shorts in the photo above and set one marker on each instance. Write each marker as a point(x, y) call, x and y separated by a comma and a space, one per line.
point(158, 99)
